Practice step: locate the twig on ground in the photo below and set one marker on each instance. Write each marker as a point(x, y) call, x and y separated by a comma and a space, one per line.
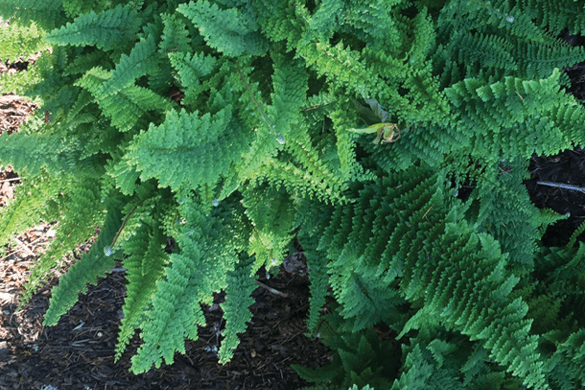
point(272, 290)
point(561, 185)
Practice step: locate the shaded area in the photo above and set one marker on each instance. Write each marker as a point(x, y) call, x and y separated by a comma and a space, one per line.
point(566, 168)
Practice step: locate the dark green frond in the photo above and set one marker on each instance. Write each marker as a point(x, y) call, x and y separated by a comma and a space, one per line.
point(107, 30)
point(235, 307)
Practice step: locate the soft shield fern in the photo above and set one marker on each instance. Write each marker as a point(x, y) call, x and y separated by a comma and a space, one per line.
point(237, 126)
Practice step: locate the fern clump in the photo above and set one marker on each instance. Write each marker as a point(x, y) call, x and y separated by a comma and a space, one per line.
point(238, 126)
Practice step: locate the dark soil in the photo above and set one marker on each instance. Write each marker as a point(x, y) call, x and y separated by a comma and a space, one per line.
point(78, 352)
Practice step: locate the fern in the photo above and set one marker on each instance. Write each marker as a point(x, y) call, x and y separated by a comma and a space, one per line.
point(21, 41)
point(87, 269)
point(106, 30)
point(47, 14)
point(83, 212)
point(144, 267)
point(235, 307)
point(272, 215)
point(228, 31)
point(234, 126)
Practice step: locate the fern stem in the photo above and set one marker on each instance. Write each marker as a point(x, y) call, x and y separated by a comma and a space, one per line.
point(560, 185)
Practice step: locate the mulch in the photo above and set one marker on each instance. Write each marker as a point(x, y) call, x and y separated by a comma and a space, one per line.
point(78, 352)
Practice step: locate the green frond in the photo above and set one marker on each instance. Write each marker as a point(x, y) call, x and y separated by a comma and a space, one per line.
point(125, 174)
point(82, 212)
point(198, 149)
point(340, 64)
point(85, 62)
point(29, 153)
point(144, 268)
point(192, 68)
point(175, 37)
point(344, 118)
point(507, 222)
point(174, 315)
point(235, 307)
point(92, 265)
point(19, 83)
point(29, 206)
point(541, 60)
point(46, 14)
point(190, 278)
point(327, 18)
point(74, 8)
point(20, 41)
point(229, 31)
point(136, 212)
point(107, 30)
point(272, 214)
point(301, 183)
point(556, 15)
point(318, 277)
point(290, 85)
point(142, 60)
point(129, 106)
point(573, 356)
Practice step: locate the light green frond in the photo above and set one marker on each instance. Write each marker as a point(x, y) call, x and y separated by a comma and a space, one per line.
point(19, 83)
point(29, 205)
point(20, 41)
point(86, 270)
point(271, 212)
point(82, 212)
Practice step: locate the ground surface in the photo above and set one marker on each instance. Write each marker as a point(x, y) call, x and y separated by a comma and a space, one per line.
point(79, 351)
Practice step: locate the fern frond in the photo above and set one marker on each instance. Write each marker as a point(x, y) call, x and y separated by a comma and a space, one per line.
point(197, 149)
point(272, 214)
point(47, 14)
point(175, 315)
point(142, 60)
point(144, 268)
point(74, 8)
point(83, 211)
point(226, 30)
point(235, 307)
point(110, 29)
point(318, 277)
point(86, 270)
point(29, 206)
point(19, 83)
point(20, 41)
